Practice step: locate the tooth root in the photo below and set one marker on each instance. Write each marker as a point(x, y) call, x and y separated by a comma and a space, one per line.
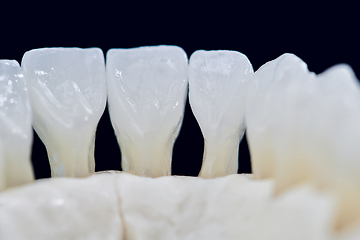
point(67, 89)
point(217, 92)
point(147, 92)
point(15, 126)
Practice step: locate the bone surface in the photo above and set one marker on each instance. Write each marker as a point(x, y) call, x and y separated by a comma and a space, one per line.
point(15, 127)
point(147, 92)
point(62, 208)
point(218, 83)
point(126, 206)
point(68, 95)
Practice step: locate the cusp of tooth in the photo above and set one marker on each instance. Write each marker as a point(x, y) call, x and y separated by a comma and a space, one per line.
point(15, 126)
point(217, 92)
point(67, 89)
point(274, 98)
point(147, 90)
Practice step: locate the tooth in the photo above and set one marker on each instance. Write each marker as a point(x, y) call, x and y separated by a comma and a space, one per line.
point(147, 91)
point(68, 95)
point(15, 126)
point(336, 133)
point(217, 92)
point(271, 121)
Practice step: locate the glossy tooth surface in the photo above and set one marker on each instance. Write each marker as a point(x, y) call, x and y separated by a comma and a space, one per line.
point(15, 126)
point(147, 91)
point(274, 110)
point(68, 95)
point(218, 83)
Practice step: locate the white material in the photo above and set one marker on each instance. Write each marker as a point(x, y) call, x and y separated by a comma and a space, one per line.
point(62, 208)
point(147, 91)
point(125, 206)
point(218, 83)
point(68, 95)
point(15, 127)
point(273, 112)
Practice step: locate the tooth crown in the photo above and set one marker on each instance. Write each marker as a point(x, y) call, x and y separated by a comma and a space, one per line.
point(147, 91)
point(149, 82)
point(68, 82)
point(218, 84)
point(15, 124)
point(68, 96)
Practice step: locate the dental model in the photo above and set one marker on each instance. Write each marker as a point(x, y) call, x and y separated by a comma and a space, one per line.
point(68, 95)
point(15, 127)
point(217, 93)
point(147, 90)
point(317, 199)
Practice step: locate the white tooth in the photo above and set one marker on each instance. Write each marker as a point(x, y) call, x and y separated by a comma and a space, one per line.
point(272, 115)
point(217, 92)
point(147, 92)
point(68, 95)
point(336, 133)
point(15, 126)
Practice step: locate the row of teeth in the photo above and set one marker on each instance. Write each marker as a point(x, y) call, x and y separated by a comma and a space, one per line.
point(301, 127)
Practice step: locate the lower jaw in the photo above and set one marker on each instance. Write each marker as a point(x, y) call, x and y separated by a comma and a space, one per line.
point(118, 205)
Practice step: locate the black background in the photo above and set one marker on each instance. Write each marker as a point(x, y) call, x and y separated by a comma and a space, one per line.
point(321, 34)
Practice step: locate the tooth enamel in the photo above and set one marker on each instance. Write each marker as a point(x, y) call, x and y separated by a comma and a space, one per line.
point(68, 95)
point(217, 91)
point(15, 126)
point(147, 91)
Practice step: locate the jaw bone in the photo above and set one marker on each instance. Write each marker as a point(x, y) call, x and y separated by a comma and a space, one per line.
point(147, 91)
point(68, 95)
point(15, 127)
point(217, 92)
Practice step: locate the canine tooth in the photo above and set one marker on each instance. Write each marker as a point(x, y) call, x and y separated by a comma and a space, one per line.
point(15, 126)
point(68, 95)
point(147, 91)
point(275, 90)
point(217, 92)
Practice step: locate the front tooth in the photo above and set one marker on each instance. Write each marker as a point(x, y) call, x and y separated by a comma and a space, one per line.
point(217, 91)
point(68, 95)
point(147, 92)
point(15, 126)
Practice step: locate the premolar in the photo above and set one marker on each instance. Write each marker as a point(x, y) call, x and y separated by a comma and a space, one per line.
point(147, 92)
point(68, 95)
point(218, 83)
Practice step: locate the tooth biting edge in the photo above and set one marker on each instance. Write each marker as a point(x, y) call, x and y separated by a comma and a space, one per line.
point(15, 126)
point(68, 96)
point(147, 90)
point(218, 83)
